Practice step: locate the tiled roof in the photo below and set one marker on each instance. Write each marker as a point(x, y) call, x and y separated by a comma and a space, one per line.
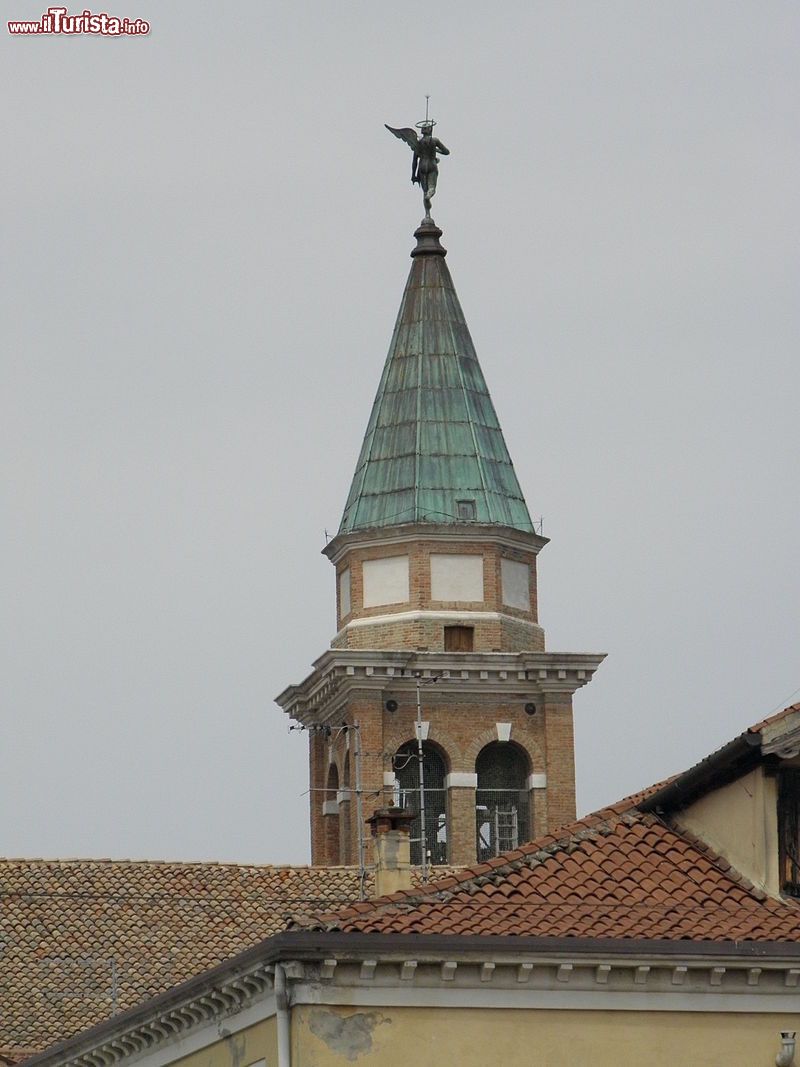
point(619, 873)
point(81, 937)
point(771, 719)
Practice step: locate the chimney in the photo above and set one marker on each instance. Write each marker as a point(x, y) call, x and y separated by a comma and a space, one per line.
point(391, 839)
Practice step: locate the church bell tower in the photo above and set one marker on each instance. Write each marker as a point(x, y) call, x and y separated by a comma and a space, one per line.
point(438, 651)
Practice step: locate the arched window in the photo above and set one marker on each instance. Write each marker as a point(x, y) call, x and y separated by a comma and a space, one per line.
point(406, 768)
point(502, 809)
point(331, 818)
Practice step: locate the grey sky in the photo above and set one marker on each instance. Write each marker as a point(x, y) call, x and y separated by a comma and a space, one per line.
point(206, 240)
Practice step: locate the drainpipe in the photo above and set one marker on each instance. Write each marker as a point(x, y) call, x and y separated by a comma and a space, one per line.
point(785, 1057)
point(284, 1028)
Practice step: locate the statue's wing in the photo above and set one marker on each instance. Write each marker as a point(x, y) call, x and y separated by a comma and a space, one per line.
point(407, 134)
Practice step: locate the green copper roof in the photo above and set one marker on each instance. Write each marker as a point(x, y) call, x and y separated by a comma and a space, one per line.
point(433, 438)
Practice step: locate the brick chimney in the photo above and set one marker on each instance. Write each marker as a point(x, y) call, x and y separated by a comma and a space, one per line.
point(391, 840)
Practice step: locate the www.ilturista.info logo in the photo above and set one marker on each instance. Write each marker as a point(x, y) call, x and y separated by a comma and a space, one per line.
point(56, 20)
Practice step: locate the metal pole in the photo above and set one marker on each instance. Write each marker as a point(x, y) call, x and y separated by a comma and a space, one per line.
point(420, 756)
point(362, 869)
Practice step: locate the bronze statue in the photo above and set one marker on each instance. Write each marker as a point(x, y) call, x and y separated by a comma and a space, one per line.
point(424, 163)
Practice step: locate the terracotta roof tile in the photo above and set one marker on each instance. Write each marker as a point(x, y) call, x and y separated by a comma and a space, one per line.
point(65, 923)
point(759, 726)
point(619, 874)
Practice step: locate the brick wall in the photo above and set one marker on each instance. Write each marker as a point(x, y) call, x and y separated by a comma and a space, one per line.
point(419, 553)
point(460, 727)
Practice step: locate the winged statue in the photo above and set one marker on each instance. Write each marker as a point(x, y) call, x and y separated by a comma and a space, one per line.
point(424, 162)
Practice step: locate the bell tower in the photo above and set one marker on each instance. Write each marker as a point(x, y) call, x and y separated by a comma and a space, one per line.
point(438, 644)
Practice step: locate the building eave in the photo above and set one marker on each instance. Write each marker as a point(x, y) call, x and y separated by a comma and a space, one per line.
point(507, 962)
point(726, 764)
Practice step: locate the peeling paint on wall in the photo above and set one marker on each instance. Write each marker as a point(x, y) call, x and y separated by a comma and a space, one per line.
point(348, 1035)
point(236, 1048)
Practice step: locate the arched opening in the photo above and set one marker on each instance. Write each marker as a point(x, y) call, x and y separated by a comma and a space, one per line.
point(330, 818)
point(406, 768)
point(502, 807)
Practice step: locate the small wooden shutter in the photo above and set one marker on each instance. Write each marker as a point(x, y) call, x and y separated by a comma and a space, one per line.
point(459, 639)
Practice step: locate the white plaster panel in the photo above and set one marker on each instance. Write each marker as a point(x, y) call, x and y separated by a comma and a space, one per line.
point(344, 593)
point(457, 578)
point(385, 581)
point(537, 781)
point(461, 779)
point(516, 578)
point(389, 778)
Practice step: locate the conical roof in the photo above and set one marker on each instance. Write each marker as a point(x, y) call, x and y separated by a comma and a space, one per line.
point(433, 450)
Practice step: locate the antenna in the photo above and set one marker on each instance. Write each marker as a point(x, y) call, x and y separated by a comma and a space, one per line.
point(427, 99)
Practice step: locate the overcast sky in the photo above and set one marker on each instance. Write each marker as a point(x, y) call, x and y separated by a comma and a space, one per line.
point(206, 238)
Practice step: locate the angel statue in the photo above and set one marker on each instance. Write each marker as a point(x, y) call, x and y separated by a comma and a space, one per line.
point(425, 162)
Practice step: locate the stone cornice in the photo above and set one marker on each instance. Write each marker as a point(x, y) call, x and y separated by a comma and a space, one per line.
point(423, 531)
point(514, 972)
point(340, 672)
point(447, 615)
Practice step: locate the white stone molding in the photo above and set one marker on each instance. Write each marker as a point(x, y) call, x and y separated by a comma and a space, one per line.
point(461, 780)
point(503, 731)
point(330, 807)
point(515, 579)
point(385, 581)
point(344, 593)
point(729, 983)
point(513, 675)
point(537, 781)
point(449, 615)
point(390, 779)
point(421, 730)
point(342, 796)
point(411, 534)
point(457, 578)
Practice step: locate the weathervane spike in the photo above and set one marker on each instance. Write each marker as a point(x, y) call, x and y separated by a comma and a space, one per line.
point(425, 162)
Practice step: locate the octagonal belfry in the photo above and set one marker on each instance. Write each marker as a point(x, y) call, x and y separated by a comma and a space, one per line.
point(438, 638)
